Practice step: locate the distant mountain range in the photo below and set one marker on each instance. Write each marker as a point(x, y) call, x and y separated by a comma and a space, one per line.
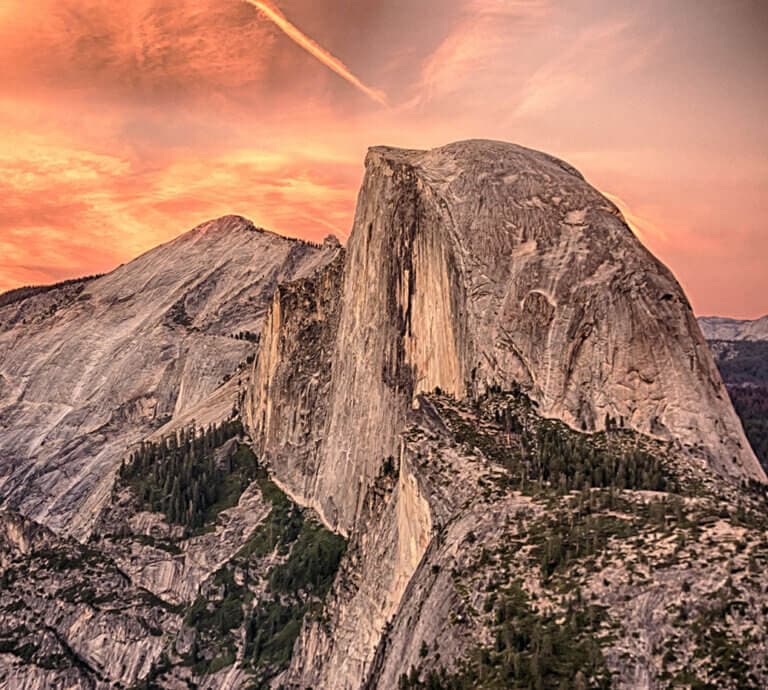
point(723, 328)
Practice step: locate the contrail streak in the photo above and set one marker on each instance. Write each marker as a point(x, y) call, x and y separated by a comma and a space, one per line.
point(317, 51)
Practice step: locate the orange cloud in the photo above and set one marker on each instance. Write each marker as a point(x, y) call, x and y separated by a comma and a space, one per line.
point(644, 228)
point(66, 211)
point(154, 50)
point(471, 51)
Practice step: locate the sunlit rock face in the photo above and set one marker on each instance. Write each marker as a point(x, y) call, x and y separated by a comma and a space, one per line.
point(474, 265)
point(90, 368)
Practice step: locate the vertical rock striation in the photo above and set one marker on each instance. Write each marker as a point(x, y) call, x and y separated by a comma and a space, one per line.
point(472, 266)
point(392, 535)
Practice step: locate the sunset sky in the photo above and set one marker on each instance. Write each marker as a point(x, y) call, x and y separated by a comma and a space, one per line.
point(123, 125)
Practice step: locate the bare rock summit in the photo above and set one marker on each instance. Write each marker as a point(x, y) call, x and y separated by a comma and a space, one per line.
point(483, 446)
point(472, 266)
point(87, 369)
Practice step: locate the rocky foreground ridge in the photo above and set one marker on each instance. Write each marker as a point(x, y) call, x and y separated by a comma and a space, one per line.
point(485, 446)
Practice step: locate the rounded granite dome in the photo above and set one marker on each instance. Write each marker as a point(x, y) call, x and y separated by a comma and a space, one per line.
point(520, 271)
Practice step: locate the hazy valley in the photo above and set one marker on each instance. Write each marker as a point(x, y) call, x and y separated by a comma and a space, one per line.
point(740, 349)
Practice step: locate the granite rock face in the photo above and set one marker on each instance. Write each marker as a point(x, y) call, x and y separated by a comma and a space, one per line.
point(130, 536)
point(743, 364)
point(483, 264)
point(69, 618)
point(287, 396)
point(91, 368)
point(447, 530)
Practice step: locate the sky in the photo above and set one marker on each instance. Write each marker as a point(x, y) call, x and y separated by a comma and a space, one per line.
point(121, 129)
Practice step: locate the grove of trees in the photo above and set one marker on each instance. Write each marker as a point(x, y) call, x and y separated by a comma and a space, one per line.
point(183, 476)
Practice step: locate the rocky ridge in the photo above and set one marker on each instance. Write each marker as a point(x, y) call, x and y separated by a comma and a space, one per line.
point(460, 534)
point(475, 268)
point(149, 603)
point(69, 617)
point(88, 369)
point(475, 265)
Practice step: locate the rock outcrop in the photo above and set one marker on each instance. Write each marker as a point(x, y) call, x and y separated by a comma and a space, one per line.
point(424, 599)
point(90, 368)
point(138, 541)
point(471, 266)
point(69, 617)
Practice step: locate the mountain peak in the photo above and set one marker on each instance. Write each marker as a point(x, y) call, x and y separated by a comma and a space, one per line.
point(142, 344)
point(227, 223)
point(474, 267)
point(494, 393)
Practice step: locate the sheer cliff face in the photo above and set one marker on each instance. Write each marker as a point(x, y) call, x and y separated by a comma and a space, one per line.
point(287, 400)
point(441, 538)
point(483, 263)
point(491, 272)
point(88, 369)
point(552, 290)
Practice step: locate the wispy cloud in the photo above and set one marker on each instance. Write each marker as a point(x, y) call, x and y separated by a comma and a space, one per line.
point(472, 50)
point(644, 228)
point(154, 50)
point(119, 130)
point(66, 211)
point(271, 12)
point(588, 59)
